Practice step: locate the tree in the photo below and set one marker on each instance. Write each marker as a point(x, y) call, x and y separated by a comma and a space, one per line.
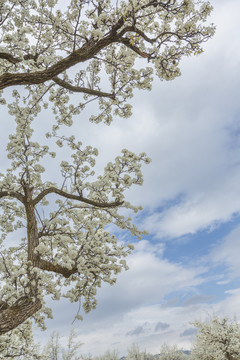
point(19, 344)
point(109, 355)
point(69, 241)
point(53, 347)
point(68, 244)
point(171, 353)
point(218, 339)
point(53, 350)
point(72, 347)
point(134, 353)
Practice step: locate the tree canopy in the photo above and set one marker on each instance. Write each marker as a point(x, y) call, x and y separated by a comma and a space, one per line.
point(56, 48)
point(218, 339)
point(49, 51)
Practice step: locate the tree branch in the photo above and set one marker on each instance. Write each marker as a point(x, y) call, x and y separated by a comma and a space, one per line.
point(16, 314)
point(133, 47)
point(54, 190)
point(144, 36)
point(84, 90)
point(8, 57)
point(86, 52)
point(14, 60)
point(58, 269)
point(13, 194)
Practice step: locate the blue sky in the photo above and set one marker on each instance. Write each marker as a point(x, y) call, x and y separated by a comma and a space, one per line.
point(188, 266)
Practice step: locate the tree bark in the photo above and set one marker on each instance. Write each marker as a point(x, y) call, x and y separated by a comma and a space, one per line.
point(16, 314)
point(86, 52)
point(25, 306)
point(53, 190)
point(32, 229)
point(58, 269)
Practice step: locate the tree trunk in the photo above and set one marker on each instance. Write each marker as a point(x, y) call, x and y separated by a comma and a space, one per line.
point(25, 306)
point(32, 229)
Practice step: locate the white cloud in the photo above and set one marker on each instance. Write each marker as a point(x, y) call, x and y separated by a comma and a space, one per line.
point(134, 308)
point(199, 211)
point(141, 323)
point(227, 253)
point(148, 280)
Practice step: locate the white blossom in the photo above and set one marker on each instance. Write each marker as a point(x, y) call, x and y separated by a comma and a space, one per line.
point(91, 48)
point(218, 339)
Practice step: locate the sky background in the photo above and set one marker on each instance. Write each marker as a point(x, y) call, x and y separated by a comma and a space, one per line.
point(188, 266)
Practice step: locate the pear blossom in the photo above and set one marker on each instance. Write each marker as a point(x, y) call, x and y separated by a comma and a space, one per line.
point(63, 244)
point(218, 339)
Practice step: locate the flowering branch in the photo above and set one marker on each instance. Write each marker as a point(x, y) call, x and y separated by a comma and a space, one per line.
point(13, 194)
point(80, 89)
point(75, 197)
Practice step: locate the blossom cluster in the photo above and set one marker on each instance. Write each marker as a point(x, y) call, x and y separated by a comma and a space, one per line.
point(218, 339)
point(74, 248)
point(105, 39)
